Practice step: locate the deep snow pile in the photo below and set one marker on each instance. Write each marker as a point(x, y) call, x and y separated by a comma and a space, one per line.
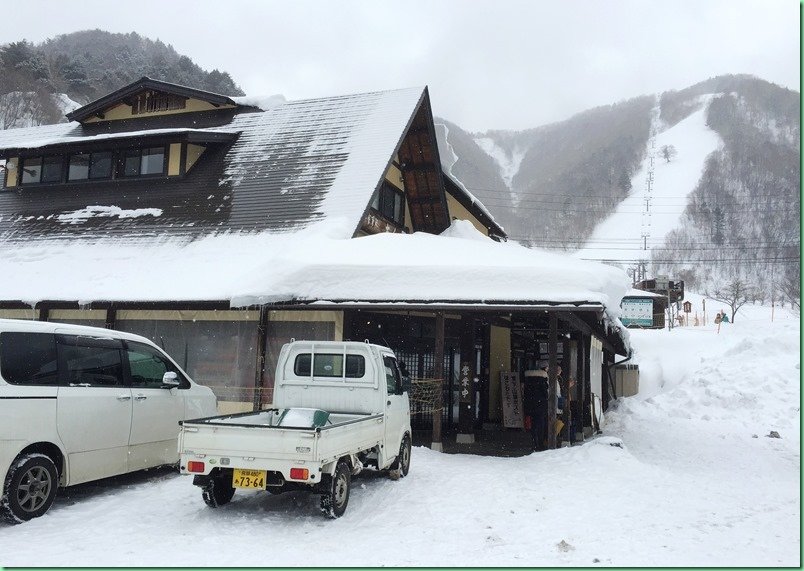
point(677, 479)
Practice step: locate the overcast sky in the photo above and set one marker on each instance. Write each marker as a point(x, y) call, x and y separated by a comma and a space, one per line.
point(497, 64)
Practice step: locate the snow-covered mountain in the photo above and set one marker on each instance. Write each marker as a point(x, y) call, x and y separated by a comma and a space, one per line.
point(703, 182)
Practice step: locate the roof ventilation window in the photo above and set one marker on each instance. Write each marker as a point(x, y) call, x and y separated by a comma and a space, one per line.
point(149, 101)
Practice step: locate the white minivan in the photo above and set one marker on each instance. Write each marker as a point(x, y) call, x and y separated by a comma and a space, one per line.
point(83, 403)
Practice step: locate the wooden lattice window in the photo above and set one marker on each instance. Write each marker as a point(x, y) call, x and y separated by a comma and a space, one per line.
point(155, 101)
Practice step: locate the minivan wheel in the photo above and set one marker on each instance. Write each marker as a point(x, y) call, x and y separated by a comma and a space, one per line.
point(30, 488)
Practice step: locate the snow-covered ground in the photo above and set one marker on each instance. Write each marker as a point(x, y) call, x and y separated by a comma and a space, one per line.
point(684, 474)
point(619, 236)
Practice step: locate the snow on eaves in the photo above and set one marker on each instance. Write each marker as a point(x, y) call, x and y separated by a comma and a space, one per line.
point(245, 269)
point(264, 102)
point(70, 134)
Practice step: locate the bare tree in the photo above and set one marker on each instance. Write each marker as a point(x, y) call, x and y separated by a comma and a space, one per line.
point(735, 295)
point(668, 152)
point(791, 286)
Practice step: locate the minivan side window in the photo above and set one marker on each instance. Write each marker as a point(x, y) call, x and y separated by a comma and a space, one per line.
point(147, 367)
point(29, 359)
point(91, 361)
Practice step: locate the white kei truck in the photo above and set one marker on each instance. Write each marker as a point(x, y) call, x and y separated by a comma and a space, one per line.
point(338, 407)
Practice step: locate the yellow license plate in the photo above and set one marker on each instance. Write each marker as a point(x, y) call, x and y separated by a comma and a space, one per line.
point(249, 479)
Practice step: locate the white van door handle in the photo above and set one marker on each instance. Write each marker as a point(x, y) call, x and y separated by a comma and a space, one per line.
point(123, 397)
point(140, 397)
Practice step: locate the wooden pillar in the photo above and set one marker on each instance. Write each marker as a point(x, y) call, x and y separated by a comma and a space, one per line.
point(580, 382)
point(348, 325)
point(438, 373)
point(111, 318)
point(552, 374)
point(259, 375)
point(466, 388)
point(565, 390)
point(485, 373)
point(587, 382)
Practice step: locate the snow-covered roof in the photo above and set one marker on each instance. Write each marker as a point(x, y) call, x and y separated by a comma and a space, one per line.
point(460, 265)
point(70, 135)
point(641, 293)
point(293, 165)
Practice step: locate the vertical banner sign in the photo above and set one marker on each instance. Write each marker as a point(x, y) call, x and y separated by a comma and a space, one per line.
point(511, 400)
point(465, 384)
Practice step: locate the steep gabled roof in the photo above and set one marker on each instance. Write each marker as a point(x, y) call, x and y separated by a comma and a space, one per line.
point(99, 105)
point(291, 166)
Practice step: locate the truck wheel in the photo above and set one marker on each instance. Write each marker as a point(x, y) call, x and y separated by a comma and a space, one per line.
point(402, 463)
point(30, 488)
point(336, 498)
point(217, 492)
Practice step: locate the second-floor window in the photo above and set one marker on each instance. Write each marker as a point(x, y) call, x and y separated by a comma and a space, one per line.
point(140, 162)
point(96, 165)
point(90, 166)
point(41, 169)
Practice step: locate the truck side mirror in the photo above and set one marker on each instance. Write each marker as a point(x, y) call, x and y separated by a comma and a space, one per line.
point(170, 380)
point(406, 384)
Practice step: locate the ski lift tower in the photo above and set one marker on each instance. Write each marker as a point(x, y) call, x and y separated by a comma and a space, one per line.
point(648, 197)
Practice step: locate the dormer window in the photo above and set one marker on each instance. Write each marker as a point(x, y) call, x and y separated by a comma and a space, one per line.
point(41, 169)
point(142, 162)
point(90, 166)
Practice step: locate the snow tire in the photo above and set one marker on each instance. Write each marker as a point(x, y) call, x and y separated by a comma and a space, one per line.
point(217, 492)
point(336, 498)
point(402, 463)
point(30, 488)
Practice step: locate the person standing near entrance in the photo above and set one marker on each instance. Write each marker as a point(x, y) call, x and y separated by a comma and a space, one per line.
point(535, 404)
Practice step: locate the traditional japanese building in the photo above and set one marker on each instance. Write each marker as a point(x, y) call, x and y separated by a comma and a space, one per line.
point(222, 227)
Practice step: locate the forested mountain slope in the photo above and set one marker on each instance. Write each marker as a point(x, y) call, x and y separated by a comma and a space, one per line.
point(40, 82)
point(740, 218)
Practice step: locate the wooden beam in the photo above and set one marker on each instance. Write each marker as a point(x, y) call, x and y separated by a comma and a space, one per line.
point(259, 375)
point(587, 381)
point(438, 373)
point(552, 374)
point(580, 368)
point(466, 410)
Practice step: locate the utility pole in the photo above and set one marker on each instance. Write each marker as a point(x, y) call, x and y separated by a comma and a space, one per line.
point(648, 195)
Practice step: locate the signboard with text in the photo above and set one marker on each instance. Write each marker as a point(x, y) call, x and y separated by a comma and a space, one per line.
point(511, 400)
point(637, 311)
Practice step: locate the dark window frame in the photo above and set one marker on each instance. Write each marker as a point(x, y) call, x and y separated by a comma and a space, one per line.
point(116, 170)
point(384, 199)
point(124, 154)
point(41, 159)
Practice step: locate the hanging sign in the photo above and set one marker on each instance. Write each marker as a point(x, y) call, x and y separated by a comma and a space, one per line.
point(511, 400)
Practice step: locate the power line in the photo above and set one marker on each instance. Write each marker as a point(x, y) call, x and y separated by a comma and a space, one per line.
point(700, 260)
